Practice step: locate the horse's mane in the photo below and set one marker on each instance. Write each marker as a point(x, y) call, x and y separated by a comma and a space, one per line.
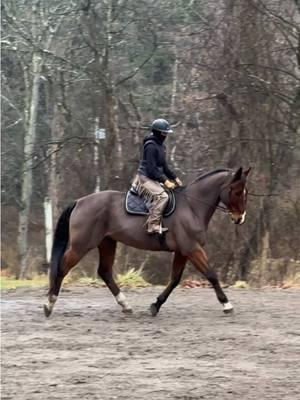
point(199, 178)
point(215, 171)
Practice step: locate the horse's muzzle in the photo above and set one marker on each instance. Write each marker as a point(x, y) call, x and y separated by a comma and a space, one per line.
point(238, 219)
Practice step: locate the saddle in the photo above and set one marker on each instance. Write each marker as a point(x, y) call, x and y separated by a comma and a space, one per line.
point(136, 205)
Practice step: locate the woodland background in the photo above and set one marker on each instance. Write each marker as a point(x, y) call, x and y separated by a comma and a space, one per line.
point(225, 73)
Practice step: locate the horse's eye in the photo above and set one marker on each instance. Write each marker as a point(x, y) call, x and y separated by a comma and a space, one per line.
point(239, 192)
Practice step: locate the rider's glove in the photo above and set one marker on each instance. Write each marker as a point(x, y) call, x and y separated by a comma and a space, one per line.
point(169, 184)
point(178, 182)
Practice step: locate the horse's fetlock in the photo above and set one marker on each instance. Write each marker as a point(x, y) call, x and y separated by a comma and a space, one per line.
point(212, 278)
point(52, 298)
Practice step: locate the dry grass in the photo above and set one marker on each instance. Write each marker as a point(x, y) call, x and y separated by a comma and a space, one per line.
point(241, 285)
point(132, 278)
point(12, 283)
point(292, 282)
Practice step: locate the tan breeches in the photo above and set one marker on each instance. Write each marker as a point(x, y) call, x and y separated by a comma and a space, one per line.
point(155, 193)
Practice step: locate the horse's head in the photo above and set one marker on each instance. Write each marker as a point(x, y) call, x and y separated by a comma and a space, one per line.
point(234, 196)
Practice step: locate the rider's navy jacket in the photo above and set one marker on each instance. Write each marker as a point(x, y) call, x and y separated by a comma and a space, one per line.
point(154, 164)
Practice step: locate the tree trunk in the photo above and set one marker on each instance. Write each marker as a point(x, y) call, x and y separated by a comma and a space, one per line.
point(113, 142)
point(174, 84)
point(26, 190)
point(264, 257)
point(53, 172)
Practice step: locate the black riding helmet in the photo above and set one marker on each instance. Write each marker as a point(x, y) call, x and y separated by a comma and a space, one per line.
point(161, 125)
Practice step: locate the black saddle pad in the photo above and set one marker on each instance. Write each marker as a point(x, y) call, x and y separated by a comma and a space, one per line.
point(135, 205)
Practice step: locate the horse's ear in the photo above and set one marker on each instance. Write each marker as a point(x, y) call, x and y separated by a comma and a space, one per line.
point(247, 171)
point(238, 175)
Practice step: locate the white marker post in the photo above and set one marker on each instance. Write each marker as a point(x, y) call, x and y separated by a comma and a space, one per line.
point(48, 227)
point(100, 134)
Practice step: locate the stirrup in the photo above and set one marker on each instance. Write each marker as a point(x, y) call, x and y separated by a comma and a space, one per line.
point(159, 231)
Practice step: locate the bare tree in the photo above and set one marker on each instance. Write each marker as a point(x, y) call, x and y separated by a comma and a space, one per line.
point(32, 33)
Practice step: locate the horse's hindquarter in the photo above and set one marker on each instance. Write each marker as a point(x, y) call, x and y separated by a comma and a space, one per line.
point(89, 220)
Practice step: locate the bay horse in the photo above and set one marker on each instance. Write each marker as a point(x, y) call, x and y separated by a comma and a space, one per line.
point(100, 220)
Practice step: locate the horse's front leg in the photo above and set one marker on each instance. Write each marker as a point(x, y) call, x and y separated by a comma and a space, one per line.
point(178, 266)
point(199, 259)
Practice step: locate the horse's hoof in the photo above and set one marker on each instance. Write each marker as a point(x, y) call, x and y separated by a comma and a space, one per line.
point(47, 311)
point(228, 311)
point(127, 310)
point(153, 310)
point(228, 308)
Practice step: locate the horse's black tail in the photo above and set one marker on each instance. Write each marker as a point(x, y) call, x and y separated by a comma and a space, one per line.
point(60, 243)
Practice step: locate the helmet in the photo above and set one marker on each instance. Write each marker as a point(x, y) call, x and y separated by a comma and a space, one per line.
point(161, 125)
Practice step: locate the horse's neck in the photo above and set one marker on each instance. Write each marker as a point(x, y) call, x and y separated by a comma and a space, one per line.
point(204, 195)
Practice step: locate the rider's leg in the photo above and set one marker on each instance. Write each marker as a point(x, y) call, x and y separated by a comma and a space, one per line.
point(155, 215)
point(159, 198)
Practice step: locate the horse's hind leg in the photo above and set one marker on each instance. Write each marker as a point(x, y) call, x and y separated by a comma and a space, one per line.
point(179, 263)
point(70, 259)
point(199, 259)
point(107, 251)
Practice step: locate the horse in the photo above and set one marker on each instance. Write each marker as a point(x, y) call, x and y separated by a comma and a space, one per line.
point(100, 220)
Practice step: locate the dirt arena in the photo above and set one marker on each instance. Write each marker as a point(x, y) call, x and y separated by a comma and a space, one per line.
point(89, 350)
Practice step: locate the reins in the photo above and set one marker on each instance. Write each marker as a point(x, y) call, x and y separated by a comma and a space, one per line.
point(263, 195)
point(221, 208)
point(218, 207)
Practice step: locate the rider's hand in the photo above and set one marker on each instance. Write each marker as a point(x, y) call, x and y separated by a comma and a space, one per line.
point(178, 182)
point(169, 184)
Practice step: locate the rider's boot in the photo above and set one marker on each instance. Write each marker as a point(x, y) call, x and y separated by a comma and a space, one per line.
point(156, 229)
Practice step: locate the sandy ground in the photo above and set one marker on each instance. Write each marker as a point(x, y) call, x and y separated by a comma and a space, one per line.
point(89, 350)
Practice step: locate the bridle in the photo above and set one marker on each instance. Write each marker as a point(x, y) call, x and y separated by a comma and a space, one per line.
point(222, 208)
point(225, 209)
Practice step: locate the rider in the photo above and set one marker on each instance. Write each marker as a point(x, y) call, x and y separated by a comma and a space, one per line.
point(153, 172)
